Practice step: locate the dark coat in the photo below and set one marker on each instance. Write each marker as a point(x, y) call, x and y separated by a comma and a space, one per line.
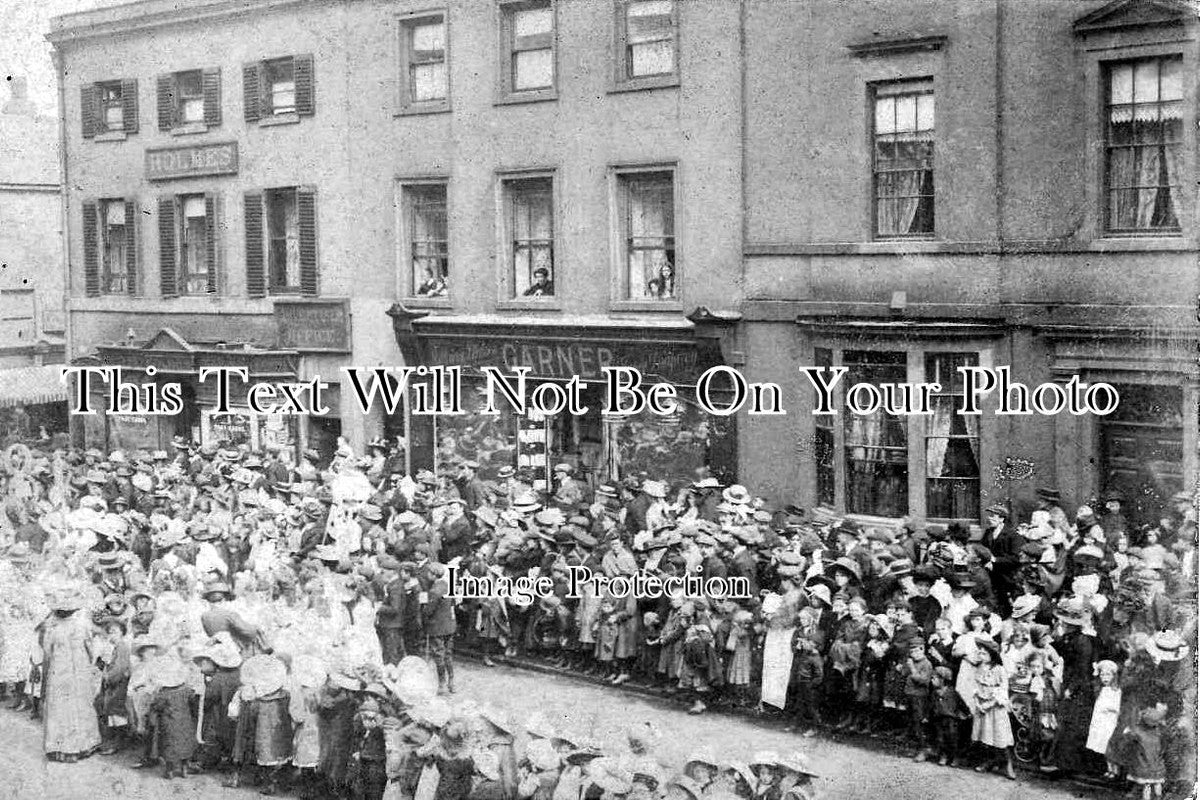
point(438, 613)
point(744, 565)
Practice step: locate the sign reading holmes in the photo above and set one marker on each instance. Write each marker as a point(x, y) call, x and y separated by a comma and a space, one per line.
point(313, 325)
point(187, 162)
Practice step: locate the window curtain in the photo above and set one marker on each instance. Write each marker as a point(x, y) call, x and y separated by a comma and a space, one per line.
point(938, 438)
point(292, 227)
point(899, 195)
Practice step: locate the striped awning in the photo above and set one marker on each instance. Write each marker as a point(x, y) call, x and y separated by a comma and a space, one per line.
point(30, 386)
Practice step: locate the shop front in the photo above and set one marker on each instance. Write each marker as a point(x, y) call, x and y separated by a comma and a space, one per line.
point(598, 445)
point(175, 360)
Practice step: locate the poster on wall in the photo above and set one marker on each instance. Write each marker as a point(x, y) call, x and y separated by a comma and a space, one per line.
point(532, 454)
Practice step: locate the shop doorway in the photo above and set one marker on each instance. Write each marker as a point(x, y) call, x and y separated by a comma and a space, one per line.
point(1141, 450)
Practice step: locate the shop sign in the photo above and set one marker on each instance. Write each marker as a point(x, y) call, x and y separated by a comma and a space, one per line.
point(321, 326)
point(166, 163)
point(562, 359)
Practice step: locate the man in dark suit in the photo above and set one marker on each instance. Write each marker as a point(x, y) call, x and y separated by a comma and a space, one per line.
point(470, 488)
point(399, 615)
point(437, 616)
point(1005, 544)
point(743, 564)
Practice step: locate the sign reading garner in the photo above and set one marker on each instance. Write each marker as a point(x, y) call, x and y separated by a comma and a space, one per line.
point(186, 162)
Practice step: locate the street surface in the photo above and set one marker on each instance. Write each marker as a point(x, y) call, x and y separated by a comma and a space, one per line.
point(848, 772)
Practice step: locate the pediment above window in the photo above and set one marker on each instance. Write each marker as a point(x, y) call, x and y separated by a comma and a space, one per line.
point(1127, 14)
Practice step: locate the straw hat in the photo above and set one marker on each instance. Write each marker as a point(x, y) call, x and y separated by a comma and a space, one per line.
point(655, 489)
point(70, 599)
point(224, 654)
point(1025, 604)
point(736, 495)
point(265, 674)
point(1167, 646)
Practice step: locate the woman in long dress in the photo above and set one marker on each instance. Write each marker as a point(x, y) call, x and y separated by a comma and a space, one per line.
point(72, 729)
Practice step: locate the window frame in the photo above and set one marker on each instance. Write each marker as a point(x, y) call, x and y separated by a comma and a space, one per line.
point(507, 94)
point(102, 126)
point(873, 88)
point(405, 241)
point(916, 353)
point(180, 99)
point(621, 80)
point(182, 261)
point(506, 280)
point(269, 111)
point(405, 23)
point(102, 241)
point(1178, 198)
point(970, 359)
point(619, 291)
point(274, 288)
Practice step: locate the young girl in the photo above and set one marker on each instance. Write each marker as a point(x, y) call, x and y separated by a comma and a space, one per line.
point(868, 682)
point(1143, 742)
point(739, 644)
point(990, 709)
point(1104, 713)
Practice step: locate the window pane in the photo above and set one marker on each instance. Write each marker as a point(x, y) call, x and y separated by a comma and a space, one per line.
point(532, 21)
point(427, 232)
point(925, 112)
point(1145, 82)
point(532, 225)
point(429, 81)
point(1121, 83)
point(533, 69)
point(1172, 79)
point(429, 38)
point(283, 231)
point(283, 97)
point(192, 110)
point(190, 84)
point(885, 115)
point(652, 58)
point(876, 444)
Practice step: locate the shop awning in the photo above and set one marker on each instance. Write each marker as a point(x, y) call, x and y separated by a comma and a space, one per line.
point(31, 386)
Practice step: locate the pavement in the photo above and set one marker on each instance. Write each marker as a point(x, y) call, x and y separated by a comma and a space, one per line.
point(848, 770)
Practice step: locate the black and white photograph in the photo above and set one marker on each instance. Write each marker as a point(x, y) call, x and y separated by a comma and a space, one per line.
point(599, 399)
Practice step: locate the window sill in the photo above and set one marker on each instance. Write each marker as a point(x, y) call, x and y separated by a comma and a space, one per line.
point(279, 119)
point(644, 84)
point(673, 305)
point(1131, 242)
point(421, 109)
point(110, 136)
point(189, 129)
point(520, 98)
point(522, 304)
point(427, 302)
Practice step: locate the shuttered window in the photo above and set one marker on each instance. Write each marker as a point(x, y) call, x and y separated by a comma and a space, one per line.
point(281, 242)
point(110, 247)
point(279, 87)
point(108, 107)
point(197, 226)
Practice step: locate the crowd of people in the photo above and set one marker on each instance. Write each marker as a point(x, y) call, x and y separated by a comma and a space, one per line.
point(293, 625)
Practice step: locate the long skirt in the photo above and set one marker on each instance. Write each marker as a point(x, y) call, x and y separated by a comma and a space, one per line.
point(992, 728)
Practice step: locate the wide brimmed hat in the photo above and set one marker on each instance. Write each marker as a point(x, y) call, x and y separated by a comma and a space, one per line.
point(655, 489)
point(736, 495)
point(142, 642)
point(1071, 611)
point(1026, 604)
point(526, 503)
point(846, 564)
point(550, 516)
point(224, 654)
point(265, 674)
point(371, 512)
point(19, 553)
point(998, 510)
point(70, 599)
point(1167, 646)
point(703, 756)
point(218, 587)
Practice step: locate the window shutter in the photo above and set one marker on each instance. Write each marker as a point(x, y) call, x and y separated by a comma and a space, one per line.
point(132, 226)
point(306, 90)
point(306, 214)
point(212, 97)
point(167, 104)
point(251, 93)
point(91, 251)
point(129, 103)
point(168, 280)
point(210, 240)
point(87, 109)
point(256, 277)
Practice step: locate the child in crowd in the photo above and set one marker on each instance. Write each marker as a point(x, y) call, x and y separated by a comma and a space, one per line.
point(918, 673)
point(1104, 713)
point(174, 727)
point(948, 714)
point(809, 672)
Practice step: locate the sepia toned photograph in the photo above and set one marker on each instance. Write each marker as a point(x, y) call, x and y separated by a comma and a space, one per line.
point(599, 399)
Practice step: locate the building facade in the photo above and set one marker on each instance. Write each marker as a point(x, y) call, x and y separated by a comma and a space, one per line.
point(932, 186)
point(32, 319)
point(298, 187)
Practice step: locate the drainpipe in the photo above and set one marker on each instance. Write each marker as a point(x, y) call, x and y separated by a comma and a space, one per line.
point(63, 187)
